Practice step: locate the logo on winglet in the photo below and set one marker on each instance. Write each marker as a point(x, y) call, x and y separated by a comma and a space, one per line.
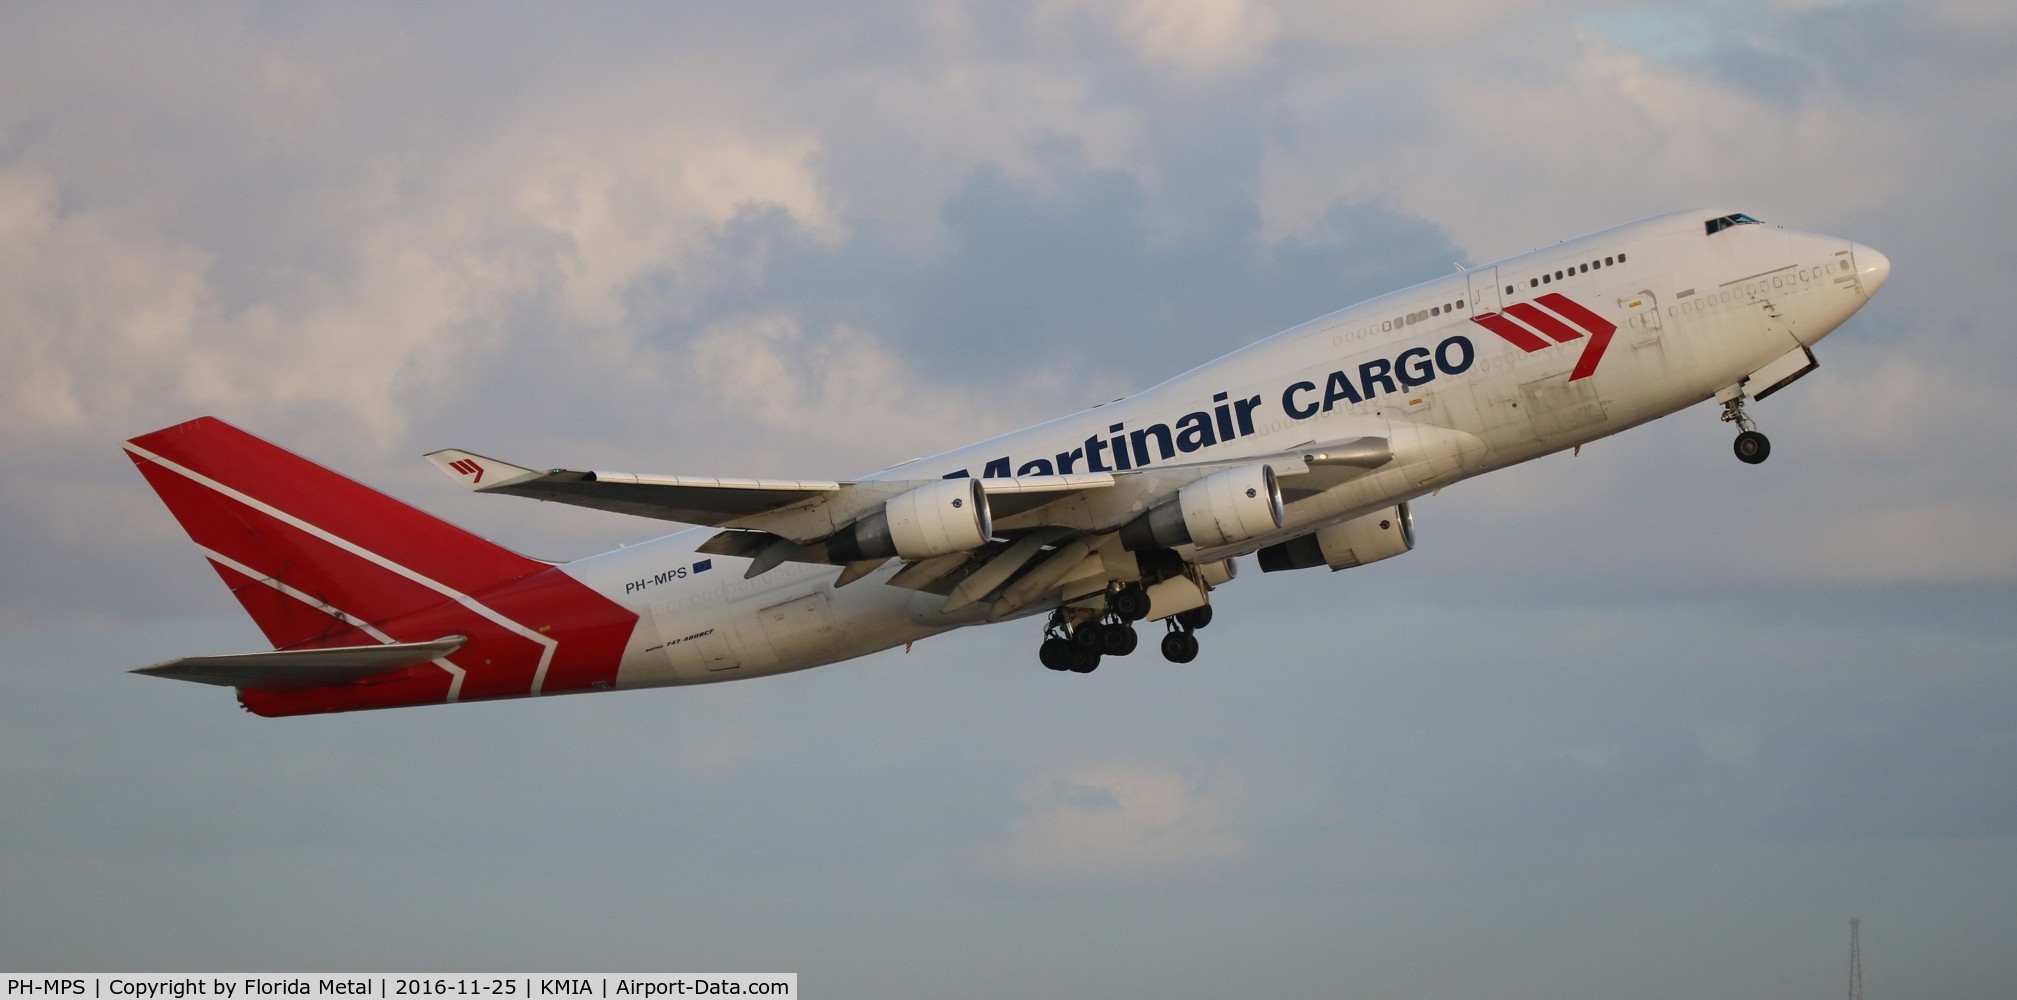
point(468, 467)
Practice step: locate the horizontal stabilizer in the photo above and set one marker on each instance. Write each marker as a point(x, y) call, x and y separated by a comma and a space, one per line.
point(289, 669)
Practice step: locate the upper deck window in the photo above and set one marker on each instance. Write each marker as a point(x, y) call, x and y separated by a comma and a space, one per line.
point(1715, 226)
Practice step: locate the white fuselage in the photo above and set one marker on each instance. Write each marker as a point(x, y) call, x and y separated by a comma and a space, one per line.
point(1694, 312)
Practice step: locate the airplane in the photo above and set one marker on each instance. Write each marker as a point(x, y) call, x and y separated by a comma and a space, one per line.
point(1306, 449)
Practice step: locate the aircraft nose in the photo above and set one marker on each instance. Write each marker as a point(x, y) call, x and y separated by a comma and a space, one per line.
point(1872, 268)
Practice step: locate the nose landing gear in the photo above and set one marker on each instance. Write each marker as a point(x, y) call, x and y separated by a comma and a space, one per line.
point(1751, 446)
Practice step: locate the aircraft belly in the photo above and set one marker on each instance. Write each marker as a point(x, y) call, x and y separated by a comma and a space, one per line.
point(1558, 405)
point(687, 648)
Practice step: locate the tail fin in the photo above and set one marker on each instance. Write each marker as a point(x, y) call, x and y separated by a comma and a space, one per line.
point(314, 557)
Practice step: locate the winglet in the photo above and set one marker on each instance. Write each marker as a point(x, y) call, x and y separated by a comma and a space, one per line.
point(478, 472)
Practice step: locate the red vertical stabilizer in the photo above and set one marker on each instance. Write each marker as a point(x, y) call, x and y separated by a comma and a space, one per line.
point(320, 560)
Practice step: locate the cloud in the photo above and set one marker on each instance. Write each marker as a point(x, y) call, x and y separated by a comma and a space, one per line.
point(1197, 35)
point(1123, 822)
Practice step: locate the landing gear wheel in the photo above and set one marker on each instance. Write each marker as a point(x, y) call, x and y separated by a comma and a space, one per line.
point(1083, 662)
point(1086, 637)
point(1196, 618)
point(1180, 647)
point(1131, 603)
point(1118, 639)
point(1753, 447)
point(1056, 653)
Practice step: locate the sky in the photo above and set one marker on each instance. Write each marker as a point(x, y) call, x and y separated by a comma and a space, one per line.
point(1639, 721)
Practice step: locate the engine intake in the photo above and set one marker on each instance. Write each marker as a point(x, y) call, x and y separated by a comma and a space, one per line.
point(1220, 509)
point(1356, 542)
point(946, 517)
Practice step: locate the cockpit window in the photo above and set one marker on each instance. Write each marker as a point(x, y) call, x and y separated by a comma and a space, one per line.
point(1740, 219)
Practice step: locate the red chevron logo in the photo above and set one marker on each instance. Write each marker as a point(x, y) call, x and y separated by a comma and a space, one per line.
point(468, 466)
point(1524, 325)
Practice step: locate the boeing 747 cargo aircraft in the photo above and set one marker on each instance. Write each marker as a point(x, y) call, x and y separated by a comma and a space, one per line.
point(1304, 450)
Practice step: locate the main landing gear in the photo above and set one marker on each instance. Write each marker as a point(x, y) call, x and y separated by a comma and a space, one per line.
point(1078, 648)
point(1181, 644)
point(1752, 447)
point(1076, 640)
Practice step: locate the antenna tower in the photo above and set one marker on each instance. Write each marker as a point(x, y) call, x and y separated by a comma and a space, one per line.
point(1855, 960)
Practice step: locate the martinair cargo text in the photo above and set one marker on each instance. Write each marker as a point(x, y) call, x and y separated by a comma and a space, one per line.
point(1305, 449)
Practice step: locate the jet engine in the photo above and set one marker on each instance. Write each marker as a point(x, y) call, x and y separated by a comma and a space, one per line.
point(946, 517)
point(1220, 509)
point(1370, 538)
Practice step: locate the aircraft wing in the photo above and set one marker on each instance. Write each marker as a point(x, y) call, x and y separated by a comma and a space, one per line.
point(290, 669)
point(777, 520)
point(803, 510)
point(686, 499)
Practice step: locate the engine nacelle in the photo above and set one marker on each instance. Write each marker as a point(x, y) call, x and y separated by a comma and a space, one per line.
point(948, 516)
point(1220, 509)
point(1356, 542)
point(1217, 574)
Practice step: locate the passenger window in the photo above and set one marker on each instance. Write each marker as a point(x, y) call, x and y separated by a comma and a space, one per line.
point(1586, 269)
point(1621, 258)
point(1545, 279)
point(1607, 260)
point(1533, 282)
point(1509, 289)
point(1558, 275)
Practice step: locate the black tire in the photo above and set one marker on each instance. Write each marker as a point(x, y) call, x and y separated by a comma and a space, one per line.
point(1752, 447)
point(1055, 654)
point(1196, 618)
point(1117, 639)
point(1180, 647)
point(1131, 602)
point(1086, 637)
point(1084, 662)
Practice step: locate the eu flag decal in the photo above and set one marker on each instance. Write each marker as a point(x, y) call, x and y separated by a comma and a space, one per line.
point(703, 566)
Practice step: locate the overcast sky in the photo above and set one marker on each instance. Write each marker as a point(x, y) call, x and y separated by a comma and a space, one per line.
point(1642, 722)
